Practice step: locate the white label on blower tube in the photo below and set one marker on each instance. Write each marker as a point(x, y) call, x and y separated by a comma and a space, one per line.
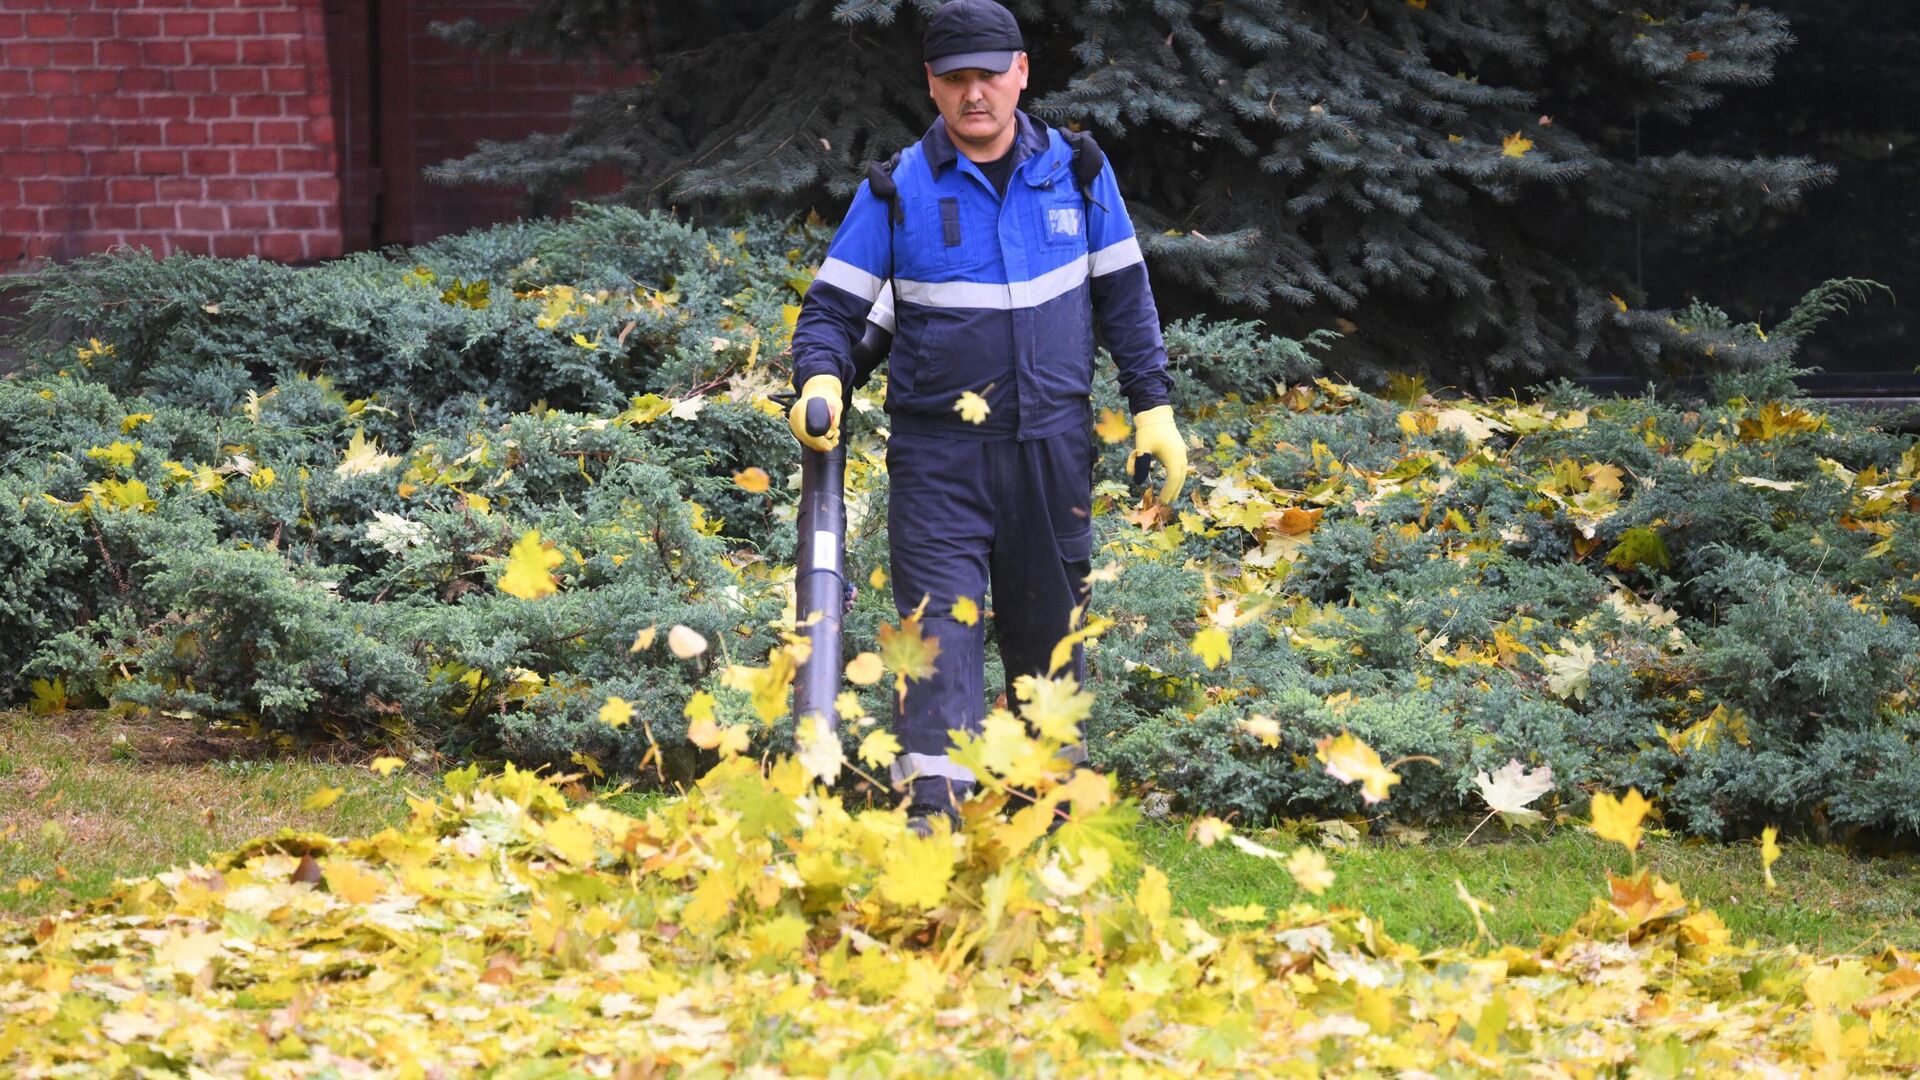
point(825, 550)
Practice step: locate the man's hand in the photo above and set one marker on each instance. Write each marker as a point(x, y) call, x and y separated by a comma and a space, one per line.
point(826, 388)
point(1154, 433)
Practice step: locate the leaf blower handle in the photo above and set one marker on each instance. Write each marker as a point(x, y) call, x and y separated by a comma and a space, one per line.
point(819, 417)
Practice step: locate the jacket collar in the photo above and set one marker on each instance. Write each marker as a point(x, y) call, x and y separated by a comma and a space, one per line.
point(937, 146)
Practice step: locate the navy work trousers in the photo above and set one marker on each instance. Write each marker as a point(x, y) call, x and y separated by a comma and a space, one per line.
point(963, 516)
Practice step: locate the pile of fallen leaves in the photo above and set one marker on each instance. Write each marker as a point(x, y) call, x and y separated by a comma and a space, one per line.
point(755, 924)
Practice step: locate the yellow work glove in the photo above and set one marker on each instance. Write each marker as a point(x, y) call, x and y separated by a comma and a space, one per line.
point(826, 387)
point(1154, 433)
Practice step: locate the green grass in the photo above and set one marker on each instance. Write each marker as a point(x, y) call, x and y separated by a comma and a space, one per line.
point(75, 801)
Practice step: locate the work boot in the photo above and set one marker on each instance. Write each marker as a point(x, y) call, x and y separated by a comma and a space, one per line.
point(931, 795)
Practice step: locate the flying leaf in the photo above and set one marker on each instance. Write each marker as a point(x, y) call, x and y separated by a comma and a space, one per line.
point(753, 479)
point(819, 748)
point(1619, 820)
point(916, 872)
point(1769, 852)
point(1208, 831)
point(865, 669)
point(1113, 426)
point(879, 748)
point(878, 578)
point(1349, 760)
point(1475, 906)
point(321, 798)
point(616, 713)
point(1763, 482)
point(530, 565)
point(1264, 728)
point(1212, 646)
point(965, 611)
point(685, 642)
point(1310, 870)
point(972, 407)
point(1509, 789)
point(907, 653)
point(386, 765)
point(642, 641)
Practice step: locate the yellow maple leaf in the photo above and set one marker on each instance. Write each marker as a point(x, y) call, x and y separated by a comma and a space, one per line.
point(1212, 646)
point(906, 652)
point(350, 883)
point(700, 707)
point(1113, 426)
point(1516, 145)
point(386, 765)
point(753, 479)
point(878, 578)
point(1208, 831)
point(865, 669)
point(965, 611)
point(1264, 728)
point(1619, 820)
point(643, 640)
point(570, 838)
point(616, 713)
point(972, 407)
point(1769, 853)
point(916, 871)
point(734, 739)
point(1349, 760)
point(704, 732)
point(879, 749)
point(1309, 870)
point(364, 458)
point(529, 568)
point(321, 798)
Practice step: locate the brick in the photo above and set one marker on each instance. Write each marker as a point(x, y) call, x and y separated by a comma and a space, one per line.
point(27, 107)
point(324, 245)
point(20, 219)
point(128, 190)
point(263, 51)
point(151, 241)
point(278, 189)
point(12, 27)
point(260, 105)
point(214, 51)
point(96, 82)
point(70, 107)
point(283, 247)
point(296, 216)
point(281, 133)
point(320, 189)
point(320, 129)
point(42, 192)
point(48, 26)
point(161, 162)
point(137, 134)
point(90, 133)
point(73, 53)
point(239, 80)
point(212, 107)
point(116, 106)
point(185, 24)
point(187, 133)
point(97, 25)
point(47, 135)
point(133, 24)
point(29, 54)
point(52, 82)
point(233, 132)
point(305, 160)
point(12, 136)
point(180, 189)
point(157, 217)
point(233, 246)
point(203, 218)
point(66, 163)
point(12, 249)
point(209, 162)
point(165, 106)
point(116, 217)
point(66, 218)
point(194, 245)
point(14, 82)
point(288, 80)
point(256, 161)
point(134, 79)
point(283, 22)
point(163, 53)
point(230, 189)
point(190, 80)
point(111, 163)
point(236, 23)
point(247, 216)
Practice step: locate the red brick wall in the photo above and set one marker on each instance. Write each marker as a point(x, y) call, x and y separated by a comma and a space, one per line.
point(180, 125)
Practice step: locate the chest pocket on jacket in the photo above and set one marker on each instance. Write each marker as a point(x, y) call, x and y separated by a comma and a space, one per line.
point(1063, 219)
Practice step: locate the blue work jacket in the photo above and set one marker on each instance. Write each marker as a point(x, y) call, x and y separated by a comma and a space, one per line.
point(997, 295)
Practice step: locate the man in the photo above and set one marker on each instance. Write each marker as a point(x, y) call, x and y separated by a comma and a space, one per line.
point(996, 270)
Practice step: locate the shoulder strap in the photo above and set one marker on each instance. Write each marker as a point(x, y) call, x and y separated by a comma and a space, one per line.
point(880, 180)
point(1088, 161)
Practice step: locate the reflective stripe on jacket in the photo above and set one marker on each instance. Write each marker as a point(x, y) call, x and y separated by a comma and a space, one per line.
point(996, 295)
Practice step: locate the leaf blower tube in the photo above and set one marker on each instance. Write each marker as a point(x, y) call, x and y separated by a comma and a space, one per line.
point(822, 592)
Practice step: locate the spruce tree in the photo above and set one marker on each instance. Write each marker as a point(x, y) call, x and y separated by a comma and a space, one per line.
point(1454, 184)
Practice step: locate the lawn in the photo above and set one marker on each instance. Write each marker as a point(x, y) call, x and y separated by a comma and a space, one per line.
point(89, 800)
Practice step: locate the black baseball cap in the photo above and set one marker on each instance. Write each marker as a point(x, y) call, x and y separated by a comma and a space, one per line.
point(972, 34)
